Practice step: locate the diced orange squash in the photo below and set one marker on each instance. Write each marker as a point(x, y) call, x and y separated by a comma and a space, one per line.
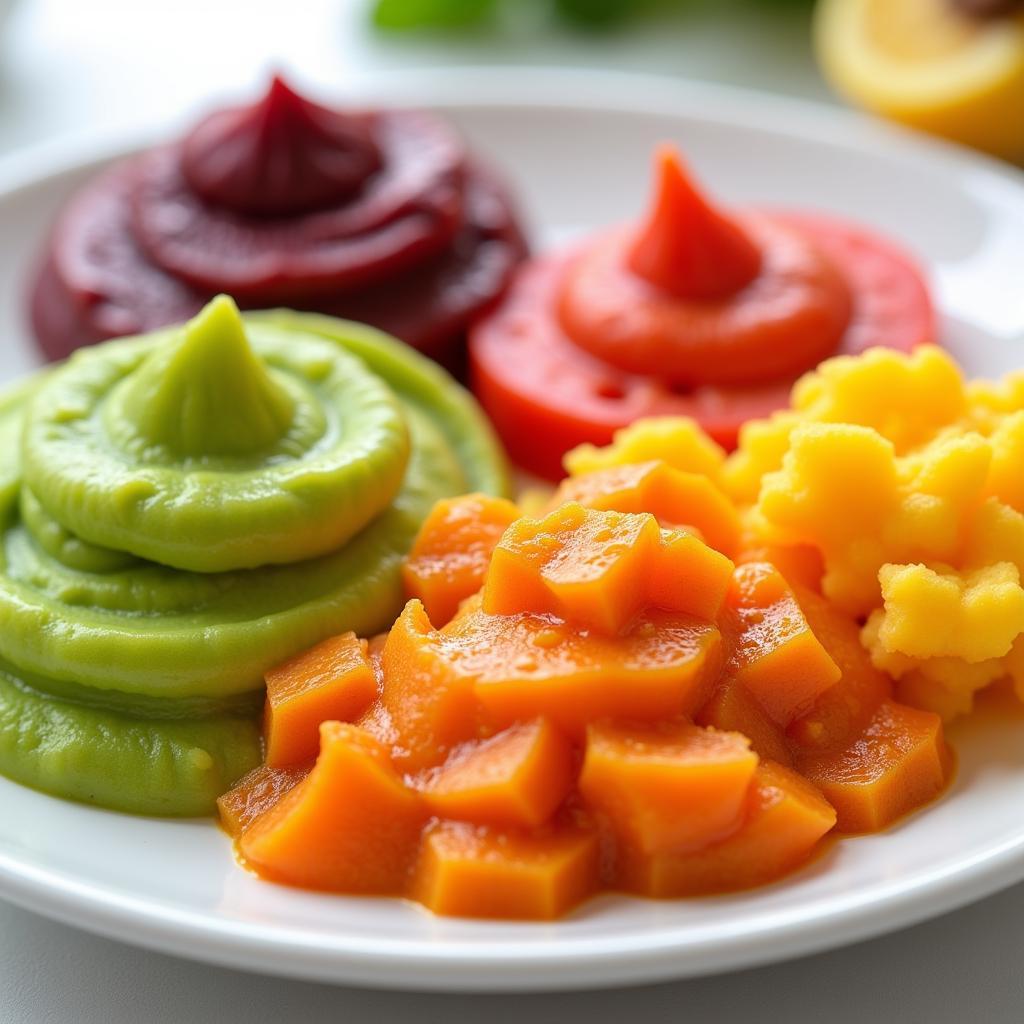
point(469, 606)
point(254, 793)
point(798, 563)
point(843, 710)
point(376, 721)
point(375, 655)
point(597, 569)
point(450, 555)
point(516, 778)
point(899, 762)
point(772, 651)
point(756, 585)
point(331, 681)
point(673, 497)
point(523, 666)
point(476, 871)
point(586, 566)
point(732, 708)
point(430, 706)
point(785, 818)
point(687, 576)
point(352, 825)
point(667, 788)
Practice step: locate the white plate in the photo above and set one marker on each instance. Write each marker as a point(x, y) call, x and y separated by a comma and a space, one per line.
point(577, 147)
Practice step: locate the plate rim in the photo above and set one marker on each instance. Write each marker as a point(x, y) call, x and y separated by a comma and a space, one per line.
point(466, 967)
point(508, 965)
point(573, 88)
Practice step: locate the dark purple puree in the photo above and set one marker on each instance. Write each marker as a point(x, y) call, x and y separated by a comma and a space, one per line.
point(379, 216)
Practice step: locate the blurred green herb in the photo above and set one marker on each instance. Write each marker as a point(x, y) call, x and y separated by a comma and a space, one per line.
point(402, 15)
point(442, 14)
point(596, 13)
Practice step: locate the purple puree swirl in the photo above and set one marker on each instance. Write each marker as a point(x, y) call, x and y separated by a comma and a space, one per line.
point(376, 215)
point(284, 155)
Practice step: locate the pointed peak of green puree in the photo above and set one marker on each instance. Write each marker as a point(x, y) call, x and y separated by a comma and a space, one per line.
point(206, 392)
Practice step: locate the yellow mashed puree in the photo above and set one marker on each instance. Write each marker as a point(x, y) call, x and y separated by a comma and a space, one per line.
point(909, 482)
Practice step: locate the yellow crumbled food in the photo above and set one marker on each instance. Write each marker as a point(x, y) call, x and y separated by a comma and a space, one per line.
point(844, 490)
point(676, 440)
point(908, 482)
point(1006, 479)
point(997, 397)
point(975, 615)
point(945, 685)
point(762, 446)
point(906, 399)
point(842, 511)
point(994, 533)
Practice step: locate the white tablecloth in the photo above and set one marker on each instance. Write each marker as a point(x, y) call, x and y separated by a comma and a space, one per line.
point(74, 67)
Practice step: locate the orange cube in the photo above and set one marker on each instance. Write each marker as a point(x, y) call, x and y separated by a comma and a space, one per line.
point(522, 666)
point(597, 569)
point(799, 564)
point(588, 567)
point(785, 818)
point(669, 788)
point(898, 763)
point(774, 653)
point(450, 555)
point(756, 585)
point(516, 778)
point(732, 708)
point(430, 706)
point(471, 871)
point(842, 711)
point(352, 825)
point(673, 497)
point(255, 793)
point(375, 655)
point(331, 681)
point(687, 576)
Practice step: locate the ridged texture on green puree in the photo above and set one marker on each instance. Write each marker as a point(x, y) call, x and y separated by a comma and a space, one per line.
point(184, 510)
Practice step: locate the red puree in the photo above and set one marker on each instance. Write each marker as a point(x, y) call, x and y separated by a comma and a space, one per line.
point(379, 216)
point(692, 312)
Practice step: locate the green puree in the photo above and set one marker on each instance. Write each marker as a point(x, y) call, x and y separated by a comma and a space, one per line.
point(184, 510)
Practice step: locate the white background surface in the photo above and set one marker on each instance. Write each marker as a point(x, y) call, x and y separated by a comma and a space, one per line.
point(75, 67)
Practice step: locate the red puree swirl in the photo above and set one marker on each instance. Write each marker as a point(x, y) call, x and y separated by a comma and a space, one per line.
point(691, 311)
point(377, 215)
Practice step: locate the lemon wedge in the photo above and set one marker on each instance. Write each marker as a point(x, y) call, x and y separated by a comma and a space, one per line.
point(924, 63)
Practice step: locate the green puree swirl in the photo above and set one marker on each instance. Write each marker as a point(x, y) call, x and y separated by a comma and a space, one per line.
point(180, 512)
point(204, 450)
